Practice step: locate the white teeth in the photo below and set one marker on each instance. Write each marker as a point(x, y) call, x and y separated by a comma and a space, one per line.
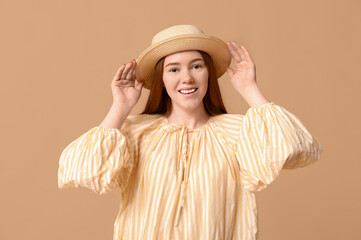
point(188, 91)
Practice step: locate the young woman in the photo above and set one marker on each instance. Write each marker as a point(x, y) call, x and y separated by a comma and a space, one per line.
point(185, 168)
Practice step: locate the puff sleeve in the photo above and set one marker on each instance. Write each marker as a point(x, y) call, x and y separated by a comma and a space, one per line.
point(99, 160)
point(271, 139)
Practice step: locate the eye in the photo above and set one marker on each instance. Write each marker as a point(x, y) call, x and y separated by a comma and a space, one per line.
point(197, 66)
point(173, 70)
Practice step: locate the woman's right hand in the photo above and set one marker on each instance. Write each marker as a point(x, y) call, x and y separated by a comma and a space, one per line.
point(124, 89)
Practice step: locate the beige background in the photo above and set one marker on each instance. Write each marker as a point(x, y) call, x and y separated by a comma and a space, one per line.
point(57, 61)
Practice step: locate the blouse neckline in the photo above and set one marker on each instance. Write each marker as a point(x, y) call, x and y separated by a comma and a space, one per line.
point(176, 126)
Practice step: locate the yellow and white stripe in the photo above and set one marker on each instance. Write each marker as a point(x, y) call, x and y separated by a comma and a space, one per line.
point(204, 192)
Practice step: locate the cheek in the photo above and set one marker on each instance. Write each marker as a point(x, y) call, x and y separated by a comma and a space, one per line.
point(170, 82)
point(205, 80)
point(165, 82)
point(169, 87)
point(204, 85)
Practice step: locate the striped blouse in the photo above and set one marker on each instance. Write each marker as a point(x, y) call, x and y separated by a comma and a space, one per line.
point(204, 190)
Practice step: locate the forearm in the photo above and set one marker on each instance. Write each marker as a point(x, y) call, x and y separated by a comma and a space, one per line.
point(116, 116)
point(253, 96)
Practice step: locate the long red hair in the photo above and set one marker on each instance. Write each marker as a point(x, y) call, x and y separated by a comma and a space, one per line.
point(159, 101)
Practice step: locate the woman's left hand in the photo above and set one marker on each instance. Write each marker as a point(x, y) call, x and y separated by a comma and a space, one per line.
point(244, 74)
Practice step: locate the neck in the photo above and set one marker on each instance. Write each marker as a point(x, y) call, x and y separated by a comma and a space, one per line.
point(191, 119)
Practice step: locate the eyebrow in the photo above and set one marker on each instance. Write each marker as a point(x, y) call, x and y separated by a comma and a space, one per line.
point(177, 63)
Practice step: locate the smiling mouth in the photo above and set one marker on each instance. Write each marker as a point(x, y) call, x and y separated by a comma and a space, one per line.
point(188, 91)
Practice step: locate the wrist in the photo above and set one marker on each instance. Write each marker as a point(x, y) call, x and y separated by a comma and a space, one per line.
point(121, 104)
point(253, 96)
point(248, 90)
point(120, 108)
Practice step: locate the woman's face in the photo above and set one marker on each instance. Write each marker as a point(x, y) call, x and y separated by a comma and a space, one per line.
point(185, 78)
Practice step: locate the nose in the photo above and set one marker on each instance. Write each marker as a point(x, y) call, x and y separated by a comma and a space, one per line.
point(187, 77)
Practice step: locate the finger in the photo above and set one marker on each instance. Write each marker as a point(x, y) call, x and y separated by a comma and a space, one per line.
point(134, 65)
point(130, 74)
point(246, 54)
point(238, 49)
point(119, 72)
point(241, 52)
point(126, 70)
point(134, 76)
point(136, 72)
point(233, 51)
point(230, 71)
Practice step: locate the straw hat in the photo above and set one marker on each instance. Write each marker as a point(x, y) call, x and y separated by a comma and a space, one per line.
point(181, 38)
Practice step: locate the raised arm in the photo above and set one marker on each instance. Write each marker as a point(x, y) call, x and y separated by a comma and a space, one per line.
point(102, 159)
point(243, 77)
point(126, 94)
point(271, 138)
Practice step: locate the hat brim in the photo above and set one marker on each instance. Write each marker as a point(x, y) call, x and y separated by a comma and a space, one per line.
point(215, 47)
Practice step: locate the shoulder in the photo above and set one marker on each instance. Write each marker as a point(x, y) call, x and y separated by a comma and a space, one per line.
point(228, 120)
point(140, 124)
point(141, 119)
point(227, 125)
